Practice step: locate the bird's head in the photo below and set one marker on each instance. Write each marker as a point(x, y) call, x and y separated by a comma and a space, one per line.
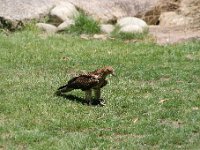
point(108, 70)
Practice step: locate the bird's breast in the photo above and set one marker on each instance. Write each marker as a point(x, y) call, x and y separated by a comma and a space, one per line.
point(102, 82)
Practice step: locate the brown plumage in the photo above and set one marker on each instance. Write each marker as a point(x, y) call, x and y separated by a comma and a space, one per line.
point(87, 82)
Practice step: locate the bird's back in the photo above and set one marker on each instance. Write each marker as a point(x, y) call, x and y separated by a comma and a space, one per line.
point(83, 82)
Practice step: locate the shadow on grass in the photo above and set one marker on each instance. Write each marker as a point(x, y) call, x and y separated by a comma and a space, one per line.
point(77, 99)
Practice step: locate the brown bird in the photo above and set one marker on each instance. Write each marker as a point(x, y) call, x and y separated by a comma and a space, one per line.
point(87, 82)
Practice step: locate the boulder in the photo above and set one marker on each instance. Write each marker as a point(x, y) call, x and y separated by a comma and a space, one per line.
point(107, 28)
point(109, 11)
point(191, 9)
point(132, 25)
point(127, 21)
point(66, 24)
point(152, 16)
point(15, 12)
point(63, 12)
point(48, 28)
point(174, 13)
point(174, 19)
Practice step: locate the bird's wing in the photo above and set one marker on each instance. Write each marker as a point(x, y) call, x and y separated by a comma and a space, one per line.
point(104, 83)
point(83, 82)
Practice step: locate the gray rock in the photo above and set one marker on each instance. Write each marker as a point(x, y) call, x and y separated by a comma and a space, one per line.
point(174, 19)
point(85, 36)
point(127, 21)
point(13, 13)
point(100, 36)
point(63, 11)
point(107, 28)
point(48, 28)
point(66, 24)
point(132, 25)
point(17, 12)
point(107, 11)
point(170, 35)
point(174, 13)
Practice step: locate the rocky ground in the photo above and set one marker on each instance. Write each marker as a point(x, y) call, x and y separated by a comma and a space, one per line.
point(171, 35)
point(175, 20)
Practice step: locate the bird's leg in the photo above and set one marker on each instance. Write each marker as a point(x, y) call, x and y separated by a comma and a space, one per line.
point(97, 94)
point(88, 96)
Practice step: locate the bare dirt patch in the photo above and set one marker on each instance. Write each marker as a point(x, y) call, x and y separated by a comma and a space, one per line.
point(171, 35)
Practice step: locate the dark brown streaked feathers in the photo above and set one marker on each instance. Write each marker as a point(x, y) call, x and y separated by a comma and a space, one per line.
point(83, 82)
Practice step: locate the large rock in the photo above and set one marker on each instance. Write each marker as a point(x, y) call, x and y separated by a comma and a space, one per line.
point(13, 12)
point(162, 6)
point(191, 9)
point(174, 19)
point(108, 11)
point(185, 13)
point(132, 25)
point(62, 12)
point(173, 13)
point(131, 21)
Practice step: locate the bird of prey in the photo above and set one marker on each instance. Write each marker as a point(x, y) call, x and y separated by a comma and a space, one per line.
point(92, 81)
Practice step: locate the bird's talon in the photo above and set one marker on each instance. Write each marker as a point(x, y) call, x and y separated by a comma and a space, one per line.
point(102, 102)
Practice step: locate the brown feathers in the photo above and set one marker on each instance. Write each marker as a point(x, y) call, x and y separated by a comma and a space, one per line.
point(83, 82)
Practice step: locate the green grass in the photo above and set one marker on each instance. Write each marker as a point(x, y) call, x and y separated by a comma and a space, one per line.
point(154, 103)
point(84, 25)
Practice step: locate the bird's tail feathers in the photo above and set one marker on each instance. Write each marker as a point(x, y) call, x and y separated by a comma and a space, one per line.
point(64, 88)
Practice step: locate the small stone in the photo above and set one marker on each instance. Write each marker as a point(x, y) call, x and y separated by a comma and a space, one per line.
point(100, 36)
point(85, 36)
point(66, 24)
point(48, 28)
point(107, 28)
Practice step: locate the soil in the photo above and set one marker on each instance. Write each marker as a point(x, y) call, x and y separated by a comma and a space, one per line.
point(171, 35)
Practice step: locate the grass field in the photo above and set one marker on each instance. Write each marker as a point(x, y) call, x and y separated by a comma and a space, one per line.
point(153, 103)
